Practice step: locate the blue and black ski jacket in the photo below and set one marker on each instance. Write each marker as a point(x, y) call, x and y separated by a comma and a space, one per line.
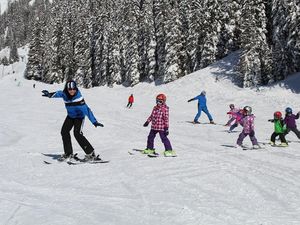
point(76, 106)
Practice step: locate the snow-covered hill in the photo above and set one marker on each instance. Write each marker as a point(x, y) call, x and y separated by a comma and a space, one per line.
point(207, 184)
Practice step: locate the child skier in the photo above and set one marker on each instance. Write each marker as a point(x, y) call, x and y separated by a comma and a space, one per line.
point(160, 124)
point(202, 107)
point(77, 109)
point(231, 114)
point(279, 129)
point(290, 121)
point(248, 128)
point(237, 117)
point(130, 101)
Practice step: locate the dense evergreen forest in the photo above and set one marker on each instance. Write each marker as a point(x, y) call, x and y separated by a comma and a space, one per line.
point(106, 42)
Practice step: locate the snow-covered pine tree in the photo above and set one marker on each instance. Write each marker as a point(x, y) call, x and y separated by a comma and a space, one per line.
point(35, 65)
point(54, 45)
point(212, 25)
point(255, 64)
point(13, 53)
point(142, 12)
point(160, 39)
point(175, 58)
point(281, 55)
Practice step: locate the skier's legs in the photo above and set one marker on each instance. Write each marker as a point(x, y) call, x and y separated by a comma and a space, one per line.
point(230, 121)
point(151, 137)
point(66, 137)
point(253, 138)
point(273, 137)
point(233, 126)
point(282, 138)
point(296, 131)
point(205, 110)
point(165, 140)
point(198, 114)
point(241, 138)
point(82, 141)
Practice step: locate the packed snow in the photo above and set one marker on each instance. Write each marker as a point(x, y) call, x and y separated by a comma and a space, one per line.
point(207, 184)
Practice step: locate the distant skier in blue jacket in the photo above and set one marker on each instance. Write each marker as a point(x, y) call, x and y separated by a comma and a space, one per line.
point(77, 109)
point(202, 107)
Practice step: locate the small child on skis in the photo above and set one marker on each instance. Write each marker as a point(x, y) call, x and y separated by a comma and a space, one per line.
point(236, 117)
point(160, 124)
point(231, 113)
point(290, 121)
point(279, 129)
point(130, 101)
point(248, 128)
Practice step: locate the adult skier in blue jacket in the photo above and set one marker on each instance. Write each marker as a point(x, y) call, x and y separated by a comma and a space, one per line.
point(77, 109)
point(202, 107)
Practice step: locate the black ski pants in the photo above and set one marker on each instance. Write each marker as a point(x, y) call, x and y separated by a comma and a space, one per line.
point(281, 136)
point(129, 104)
point(295, 130)
point(66, 137)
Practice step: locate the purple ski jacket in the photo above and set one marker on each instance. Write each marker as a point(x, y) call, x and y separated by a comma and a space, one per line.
point(290, 120)
point(248, 124)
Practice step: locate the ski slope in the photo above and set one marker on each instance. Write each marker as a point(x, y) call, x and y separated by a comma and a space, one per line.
point(207, 184)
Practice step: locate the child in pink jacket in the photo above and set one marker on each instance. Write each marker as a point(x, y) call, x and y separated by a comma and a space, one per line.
point(159, 119)
point(248, 128)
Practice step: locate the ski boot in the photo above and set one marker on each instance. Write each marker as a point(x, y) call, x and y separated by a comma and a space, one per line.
point(272, 143)
point(196, 122)
point(65, 157)
point(148, 151)
point(89, 157)
point(212, 122)
point(170, 153)
point(283, 144)
point(256, 147)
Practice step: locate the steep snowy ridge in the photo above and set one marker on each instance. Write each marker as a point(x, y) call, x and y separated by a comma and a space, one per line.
point(207, 184)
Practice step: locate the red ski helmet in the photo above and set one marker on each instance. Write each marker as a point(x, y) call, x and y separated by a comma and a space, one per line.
point(161, 98)
point(277, 115)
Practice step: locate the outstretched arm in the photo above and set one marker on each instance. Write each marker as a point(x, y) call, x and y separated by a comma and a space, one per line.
point(57, 94)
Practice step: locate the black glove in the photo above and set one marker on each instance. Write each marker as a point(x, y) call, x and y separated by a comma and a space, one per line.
point(146, 124)
point(270, 120)
point(97, 124)
point(46, 93)
point(166, 131)
point(190, 100)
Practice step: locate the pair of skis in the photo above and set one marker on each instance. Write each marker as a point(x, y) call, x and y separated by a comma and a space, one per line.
point(76, 160)
point(154, 155)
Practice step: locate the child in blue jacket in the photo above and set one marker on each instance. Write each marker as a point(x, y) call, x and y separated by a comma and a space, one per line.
point(77, 109)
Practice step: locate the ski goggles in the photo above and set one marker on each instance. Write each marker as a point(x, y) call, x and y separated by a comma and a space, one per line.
point(159, 102)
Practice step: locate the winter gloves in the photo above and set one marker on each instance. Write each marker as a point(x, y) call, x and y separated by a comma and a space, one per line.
point(47, 93)
point(146, 124)
point(97, 124)
point(190, 100)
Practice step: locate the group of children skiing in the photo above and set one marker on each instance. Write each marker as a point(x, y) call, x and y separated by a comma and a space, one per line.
point(77, 109)
point(282, 126)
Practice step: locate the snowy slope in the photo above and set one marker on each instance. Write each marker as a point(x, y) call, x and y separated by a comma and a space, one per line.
point(207, 184)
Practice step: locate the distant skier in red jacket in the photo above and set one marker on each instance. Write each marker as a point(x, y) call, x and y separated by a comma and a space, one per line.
point(130, 101)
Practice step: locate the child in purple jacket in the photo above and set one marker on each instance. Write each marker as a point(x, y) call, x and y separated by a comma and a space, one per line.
point(290, 121)
point(248, 128)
